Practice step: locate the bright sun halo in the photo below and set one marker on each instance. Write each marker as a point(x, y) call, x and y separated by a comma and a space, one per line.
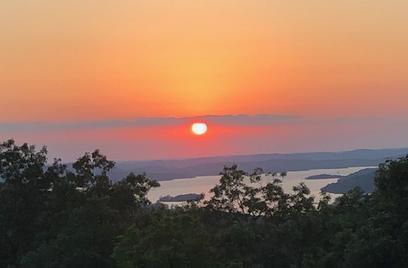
point(199, 128)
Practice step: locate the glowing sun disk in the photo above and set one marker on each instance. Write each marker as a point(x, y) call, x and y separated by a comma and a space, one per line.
point(199, 128)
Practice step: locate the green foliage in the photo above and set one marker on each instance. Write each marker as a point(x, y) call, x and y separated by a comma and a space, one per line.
point(55, 216)
point(170, 238)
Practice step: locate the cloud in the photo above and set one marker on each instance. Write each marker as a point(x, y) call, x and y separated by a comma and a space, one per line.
point(240, 119)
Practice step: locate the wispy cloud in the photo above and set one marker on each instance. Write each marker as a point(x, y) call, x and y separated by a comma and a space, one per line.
point(251, 120)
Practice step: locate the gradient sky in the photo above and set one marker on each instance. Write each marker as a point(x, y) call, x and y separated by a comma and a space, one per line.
point(82, 74)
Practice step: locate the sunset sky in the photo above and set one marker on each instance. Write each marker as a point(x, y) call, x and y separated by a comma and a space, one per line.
point(129, 77)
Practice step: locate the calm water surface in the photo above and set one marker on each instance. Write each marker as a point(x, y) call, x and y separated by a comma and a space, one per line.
point(203, 184)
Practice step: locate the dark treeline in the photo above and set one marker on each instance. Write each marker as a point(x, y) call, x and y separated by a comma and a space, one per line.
point(54, 217)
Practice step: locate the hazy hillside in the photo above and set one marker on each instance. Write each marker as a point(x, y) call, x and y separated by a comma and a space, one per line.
point(185, 168)
point(363, 179)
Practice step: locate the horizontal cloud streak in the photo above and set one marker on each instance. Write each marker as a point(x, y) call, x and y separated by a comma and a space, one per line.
point(240, 120)
point(169, 137)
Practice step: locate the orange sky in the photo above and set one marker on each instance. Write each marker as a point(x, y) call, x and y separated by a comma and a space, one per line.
point(98, 59)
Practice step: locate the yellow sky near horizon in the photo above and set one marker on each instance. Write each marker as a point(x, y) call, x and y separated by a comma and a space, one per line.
point(88, 59)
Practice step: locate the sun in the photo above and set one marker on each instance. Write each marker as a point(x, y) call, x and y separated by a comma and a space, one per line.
point(199, 128)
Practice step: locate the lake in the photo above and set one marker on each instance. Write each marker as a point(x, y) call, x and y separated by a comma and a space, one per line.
point(203, 184)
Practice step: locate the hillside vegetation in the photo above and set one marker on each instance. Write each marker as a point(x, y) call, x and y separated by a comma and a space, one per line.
point(364, 179)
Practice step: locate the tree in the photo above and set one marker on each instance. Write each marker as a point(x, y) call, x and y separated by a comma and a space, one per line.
point(169, 238)
point(52, 216)
point(22, 195)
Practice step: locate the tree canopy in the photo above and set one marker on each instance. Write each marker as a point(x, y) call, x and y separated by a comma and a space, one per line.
point(52, 215)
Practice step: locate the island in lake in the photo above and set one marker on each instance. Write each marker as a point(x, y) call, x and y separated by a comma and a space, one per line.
point(182, 198)
point(324, 177)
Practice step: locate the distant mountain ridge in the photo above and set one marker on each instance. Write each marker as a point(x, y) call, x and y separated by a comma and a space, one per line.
point(207, 166)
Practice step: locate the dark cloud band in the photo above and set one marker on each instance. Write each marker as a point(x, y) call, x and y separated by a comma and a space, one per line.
point(244, 120)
